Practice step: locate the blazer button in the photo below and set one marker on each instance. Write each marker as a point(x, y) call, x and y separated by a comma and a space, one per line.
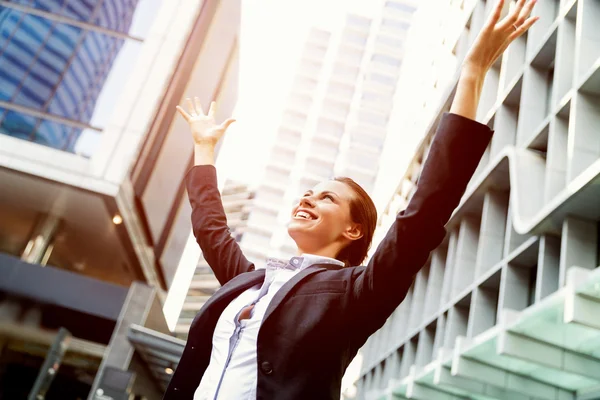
point(266, 368)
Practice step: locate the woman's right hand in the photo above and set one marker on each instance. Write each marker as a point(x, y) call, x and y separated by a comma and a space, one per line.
point(205, 130)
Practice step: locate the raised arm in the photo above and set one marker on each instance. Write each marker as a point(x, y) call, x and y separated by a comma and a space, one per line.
point(455, 152)
point(209, 223)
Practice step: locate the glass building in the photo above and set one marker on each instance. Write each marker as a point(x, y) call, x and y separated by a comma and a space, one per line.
point(94, 217)
point(61, 63)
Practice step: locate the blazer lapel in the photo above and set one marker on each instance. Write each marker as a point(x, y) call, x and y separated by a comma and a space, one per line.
point(289, 285)
point(235, 286)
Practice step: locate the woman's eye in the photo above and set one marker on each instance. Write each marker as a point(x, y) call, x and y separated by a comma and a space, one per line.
point(328, 196)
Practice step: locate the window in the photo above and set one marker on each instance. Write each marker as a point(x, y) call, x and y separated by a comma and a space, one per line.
point(276, 176)
point(387, 60)
point(386, 80)
point(340, 89)
point(318, 168)
point(326, 150)
point(368, 138)
point(282, 156)
point(345, 71)
point(395, 24)
point(373, 118)
point(357, 21)
point(315, 52)
point(301, 101)
point(310, 67)
point(305, 83)
point(376, 97)
point(330, 128)
point(350, 55)
point(294, 118)
point(289, 136)
point(400, 7)
point(336, 108)
point(355, 37)
point(395, 42)
point(319, 35)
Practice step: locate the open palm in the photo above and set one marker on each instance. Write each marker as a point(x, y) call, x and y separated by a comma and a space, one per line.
point(203, 126)
point(498, 34)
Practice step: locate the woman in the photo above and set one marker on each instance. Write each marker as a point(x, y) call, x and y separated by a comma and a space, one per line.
point(289, 329)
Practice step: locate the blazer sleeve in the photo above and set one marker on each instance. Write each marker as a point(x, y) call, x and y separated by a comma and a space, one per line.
point(456, 150)
point(209, 224)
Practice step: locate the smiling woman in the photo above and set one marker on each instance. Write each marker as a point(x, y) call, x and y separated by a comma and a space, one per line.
point(337, 219)
point(289, 328)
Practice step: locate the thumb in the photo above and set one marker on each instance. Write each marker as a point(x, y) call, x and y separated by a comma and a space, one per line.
point(226, 123)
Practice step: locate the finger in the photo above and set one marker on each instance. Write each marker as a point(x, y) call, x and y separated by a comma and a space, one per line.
point(226, 124)
point(199, 109)
point(513, 15)
point(525, 12)
point(523, 28)
point(212, 110)
point(183, 113)
point(191, 108)
point(495, 17)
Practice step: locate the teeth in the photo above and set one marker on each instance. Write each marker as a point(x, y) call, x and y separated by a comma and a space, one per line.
point(303, 214)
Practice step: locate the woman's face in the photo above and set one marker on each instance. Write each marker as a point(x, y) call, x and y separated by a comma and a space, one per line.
point(322, 217)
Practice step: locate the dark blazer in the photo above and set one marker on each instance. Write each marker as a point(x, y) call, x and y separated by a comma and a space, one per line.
point(318, 320)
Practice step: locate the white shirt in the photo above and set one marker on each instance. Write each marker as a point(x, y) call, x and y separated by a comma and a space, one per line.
point(232, 371)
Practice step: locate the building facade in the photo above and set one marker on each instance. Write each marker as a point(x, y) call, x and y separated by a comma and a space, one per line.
point(93, 211)
point(506, 307)
point(335, 120)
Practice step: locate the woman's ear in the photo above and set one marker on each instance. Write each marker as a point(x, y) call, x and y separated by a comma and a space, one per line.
point(354, 232)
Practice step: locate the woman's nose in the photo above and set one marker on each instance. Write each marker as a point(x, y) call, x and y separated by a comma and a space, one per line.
point(307, 201)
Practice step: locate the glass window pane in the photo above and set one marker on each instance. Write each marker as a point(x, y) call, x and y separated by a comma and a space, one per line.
point(330, 128)
point(384, 59)
point(358, 21)
point(387, 80)
point(400, 7)
point(395, 24)
point(16, 124)
point(395, 42)
point(56, 135)
point(133, 17)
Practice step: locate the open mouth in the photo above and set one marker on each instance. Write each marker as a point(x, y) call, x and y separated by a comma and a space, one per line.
point(303, 214)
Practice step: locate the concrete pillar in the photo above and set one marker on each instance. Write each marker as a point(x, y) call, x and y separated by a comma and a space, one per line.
point(119, 353)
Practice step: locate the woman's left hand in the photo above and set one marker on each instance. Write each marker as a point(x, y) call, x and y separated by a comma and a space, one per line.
point(497, 35)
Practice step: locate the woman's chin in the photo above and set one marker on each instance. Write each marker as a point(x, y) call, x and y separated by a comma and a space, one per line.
point(296, 228)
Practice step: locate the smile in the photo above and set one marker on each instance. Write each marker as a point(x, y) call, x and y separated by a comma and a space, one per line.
point(303, 214)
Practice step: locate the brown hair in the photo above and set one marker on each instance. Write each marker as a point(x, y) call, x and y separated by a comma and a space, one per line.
point(363, 212)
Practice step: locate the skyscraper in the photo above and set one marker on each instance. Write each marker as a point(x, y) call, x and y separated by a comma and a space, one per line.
point(335, 120)
point(93, 211)
point(52, 73)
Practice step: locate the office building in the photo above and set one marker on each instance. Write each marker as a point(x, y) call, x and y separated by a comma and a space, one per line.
point(93, 211)
point(506, 307)
point(335, 118)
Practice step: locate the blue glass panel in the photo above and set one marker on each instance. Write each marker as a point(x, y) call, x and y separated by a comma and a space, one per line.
point(117, 15)
point(16, 124)
point(63, 70)
point(48, 133)
point(56, 135)
point(79, 87)
point(45, 72)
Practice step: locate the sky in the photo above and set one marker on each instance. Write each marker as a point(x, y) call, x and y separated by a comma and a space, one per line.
point(272, 36)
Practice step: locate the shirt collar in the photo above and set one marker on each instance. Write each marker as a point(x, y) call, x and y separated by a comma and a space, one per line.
point(302, 262)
